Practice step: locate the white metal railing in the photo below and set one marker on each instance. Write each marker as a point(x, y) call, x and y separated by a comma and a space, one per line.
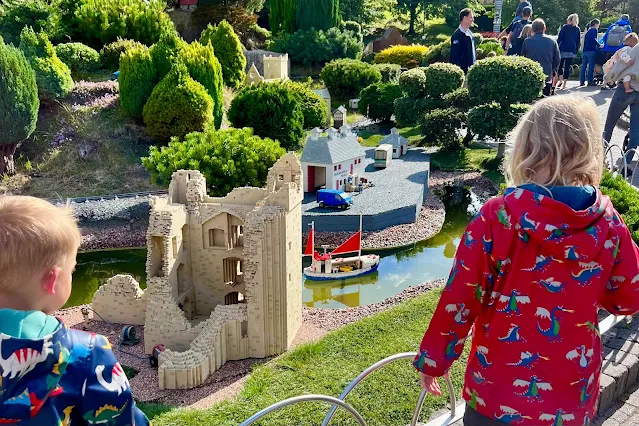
point(455, 414)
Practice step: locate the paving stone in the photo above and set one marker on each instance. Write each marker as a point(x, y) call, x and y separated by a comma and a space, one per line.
point(618, 343)
point(629, 361)
point(607, 394)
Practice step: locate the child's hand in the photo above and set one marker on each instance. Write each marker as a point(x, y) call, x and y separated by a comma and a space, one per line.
point(430, 384)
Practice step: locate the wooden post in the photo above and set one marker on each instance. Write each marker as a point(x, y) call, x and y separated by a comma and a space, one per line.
point(501, 149)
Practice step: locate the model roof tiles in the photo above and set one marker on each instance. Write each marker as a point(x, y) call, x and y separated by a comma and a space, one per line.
point(394, 138)
point(331, 149)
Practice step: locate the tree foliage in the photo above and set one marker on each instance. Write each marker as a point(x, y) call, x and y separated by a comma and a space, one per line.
point(272, 110)
point(366, 12)
point(318, 14)
point(282, 16)
point(406, 56)
point(413, 82)
point(440, 127)
point(347, 77)
point(78, 57)
point(178, 105)
point(443, 78)
point(318, 46)
point(228, 50)
point(377, 101)
point(53, 77)
point(313, 106)
point(553, 12)
point(138, 77)
point(390, 72)
point(495, 120)
point(204, 68)
point(15, 15)
point(18, 103)
point(110, 54)
point(227, 158)
point(165, 52)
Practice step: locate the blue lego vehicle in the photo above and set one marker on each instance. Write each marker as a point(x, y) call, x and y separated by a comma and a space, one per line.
point(334, 198)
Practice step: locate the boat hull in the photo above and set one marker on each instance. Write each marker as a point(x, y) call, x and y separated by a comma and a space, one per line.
point(318, 276)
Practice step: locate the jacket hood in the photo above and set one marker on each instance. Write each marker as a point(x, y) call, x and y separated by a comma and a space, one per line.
point(31, 370)
point(622, 22)
point(556, 227)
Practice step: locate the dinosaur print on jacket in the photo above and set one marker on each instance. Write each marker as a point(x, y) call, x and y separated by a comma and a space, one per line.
point(528, 278)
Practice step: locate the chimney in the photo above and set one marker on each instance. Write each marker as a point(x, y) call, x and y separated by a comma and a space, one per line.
point(315, 134)
point(394, 131)
point(332, 133)
point(345, 130)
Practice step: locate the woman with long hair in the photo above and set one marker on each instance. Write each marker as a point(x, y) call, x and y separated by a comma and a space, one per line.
point(519, 41)
point(569, 41)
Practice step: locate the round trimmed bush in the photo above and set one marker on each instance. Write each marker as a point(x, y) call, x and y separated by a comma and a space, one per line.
point(110, 54)
point(137, 79)
point(204, 68)
point(413, 82)
point(377, 101)
point(53, 77)
point(352, 26)
point(178, 105)
point(495, 120)
point(347, 77)
point(406, 56)
point(228, 50)
point(313, 106)
point(78, 57)
point(489, 48)
point(165, 53)
point(506, 80)
point(438, 53)
point(408, 111)
point(272, 110)
point(459, 99)
point(440, 127)
point(443, 78)
point(390, 72)
point(228, 158)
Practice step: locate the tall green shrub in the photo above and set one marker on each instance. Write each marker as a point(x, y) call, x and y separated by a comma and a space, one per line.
point(228, 50)
point(78, 57)
point(308, 47)
point(347, 77)
point(178, 105)
point(204, 68)
point(390, 72)
point(137, 79)
point(110, 53)
point(227, 158)
point(282, 16)
point(319, 14)
point(53, 77)
point(37, 14)
point(413, 83)
point(165, 53)
point(19, 103)
point(377, 101)
point(272, 110)
point(443, 78)
point(313, 106)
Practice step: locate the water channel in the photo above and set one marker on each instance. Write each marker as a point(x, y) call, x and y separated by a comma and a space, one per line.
point(399, 268)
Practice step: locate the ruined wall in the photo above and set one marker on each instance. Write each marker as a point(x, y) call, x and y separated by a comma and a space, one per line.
point(120, 300)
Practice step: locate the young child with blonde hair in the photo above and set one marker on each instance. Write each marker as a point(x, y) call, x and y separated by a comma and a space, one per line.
point(622, 66)
point(529, 276)
point(49, 374)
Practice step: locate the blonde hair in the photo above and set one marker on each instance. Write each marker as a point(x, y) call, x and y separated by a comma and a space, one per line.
point(34, 235)
point(631, 36)
point(525, 32)
point(574, 19)
point(558, 142)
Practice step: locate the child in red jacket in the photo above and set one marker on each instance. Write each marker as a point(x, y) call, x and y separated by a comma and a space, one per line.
point(530, 273)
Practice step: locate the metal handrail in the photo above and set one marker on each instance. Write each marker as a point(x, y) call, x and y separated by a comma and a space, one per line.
point(377, 366)
point(304, 398)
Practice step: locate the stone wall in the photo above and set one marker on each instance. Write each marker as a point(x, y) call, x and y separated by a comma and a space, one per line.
point(121, 300)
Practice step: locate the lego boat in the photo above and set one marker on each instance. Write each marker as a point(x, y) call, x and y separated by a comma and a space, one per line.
point(327, 267)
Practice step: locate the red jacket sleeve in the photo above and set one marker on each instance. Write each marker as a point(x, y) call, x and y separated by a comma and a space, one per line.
point(461, 299)
point(621, 294)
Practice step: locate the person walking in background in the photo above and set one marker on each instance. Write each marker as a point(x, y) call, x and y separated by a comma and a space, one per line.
point(462, 44)
point(525, 323)
point(589, 53)
point(615, 35)
point(569, 41)
point(519, 41)
point(514, 30)
point(543, 49)
point(520, 8)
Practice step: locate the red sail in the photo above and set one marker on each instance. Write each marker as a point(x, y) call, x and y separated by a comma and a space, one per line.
point(310, 244)
point(350, 245)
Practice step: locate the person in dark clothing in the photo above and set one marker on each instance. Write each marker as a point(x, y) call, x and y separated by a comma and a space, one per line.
point(519, 41)
point(614, 36)
point(589, 54)
point(520, 8)
point(462, 44)
point(514, 29)
point(569, 40)
point(543, 49)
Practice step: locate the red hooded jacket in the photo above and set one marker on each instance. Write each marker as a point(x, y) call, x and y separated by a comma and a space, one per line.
point(530, 273)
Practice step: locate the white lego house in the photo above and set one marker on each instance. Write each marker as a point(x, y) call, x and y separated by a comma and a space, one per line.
point(328, 161)
point(399, 143)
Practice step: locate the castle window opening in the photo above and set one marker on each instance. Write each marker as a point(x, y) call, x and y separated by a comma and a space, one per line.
point(216, 237)
point(174, 246)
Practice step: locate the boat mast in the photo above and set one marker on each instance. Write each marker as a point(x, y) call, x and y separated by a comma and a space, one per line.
point(359, 252)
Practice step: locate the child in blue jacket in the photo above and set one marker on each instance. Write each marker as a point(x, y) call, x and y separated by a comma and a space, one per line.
point(49, 374)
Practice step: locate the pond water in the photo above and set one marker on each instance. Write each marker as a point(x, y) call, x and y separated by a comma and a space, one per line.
point(399, 268)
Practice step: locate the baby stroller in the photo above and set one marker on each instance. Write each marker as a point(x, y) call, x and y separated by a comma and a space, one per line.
point(600, 60)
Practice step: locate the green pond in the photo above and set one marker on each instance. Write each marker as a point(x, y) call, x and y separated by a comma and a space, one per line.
point(399, 268)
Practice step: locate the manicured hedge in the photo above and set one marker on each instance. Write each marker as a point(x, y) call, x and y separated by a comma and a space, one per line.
point(413, 83)
point(443, 78)
point(137, 79)
point(406, 56)
point(409, 111)
point(78, 57)
point(110, 53)
point(377, 101)
point(347, 77)
point(625, 198)
point(390, 72)
point(441, 127)
point(495, 120)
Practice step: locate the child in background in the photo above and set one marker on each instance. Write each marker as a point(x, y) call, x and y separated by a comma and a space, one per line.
point(530, 273)
point(50, 375)
point(520, 8)
point(620, 66)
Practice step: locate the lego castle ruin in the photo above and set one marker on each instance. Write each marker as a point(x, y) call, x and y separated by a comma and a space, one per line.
point(223, 275)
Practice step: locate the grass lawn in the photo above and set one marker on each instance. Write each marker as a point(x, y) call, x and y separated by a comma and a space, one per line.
point(433, 32)
point(385, 398)
point(474, 158)
point(372, 139)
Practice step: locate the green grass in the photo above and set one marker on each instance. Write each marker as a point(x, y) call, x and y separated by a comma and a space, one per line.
point(435, 31)
point(372, 139)
point(474, 158)
point(387, 397)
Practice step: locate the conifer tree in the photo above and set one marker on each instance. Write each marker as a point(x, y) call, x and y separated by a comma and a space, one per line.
point(318, 14)
point(228, 50)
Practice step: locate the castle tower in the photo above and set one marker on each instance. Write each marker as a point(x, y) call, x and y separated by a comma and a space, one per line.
point(275, 67)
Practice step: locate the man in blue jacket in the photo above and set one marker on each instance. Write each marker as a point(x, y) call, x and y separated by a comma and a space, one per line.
point(613, 39)
point(462, 44)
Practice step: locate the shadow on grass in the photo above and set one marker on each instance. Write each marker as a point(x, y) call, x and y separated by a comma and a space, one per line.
point(153, 410)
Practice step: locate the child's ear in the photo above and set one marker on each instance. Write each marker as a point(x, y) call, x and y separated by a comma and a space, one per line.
point(50, 278)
